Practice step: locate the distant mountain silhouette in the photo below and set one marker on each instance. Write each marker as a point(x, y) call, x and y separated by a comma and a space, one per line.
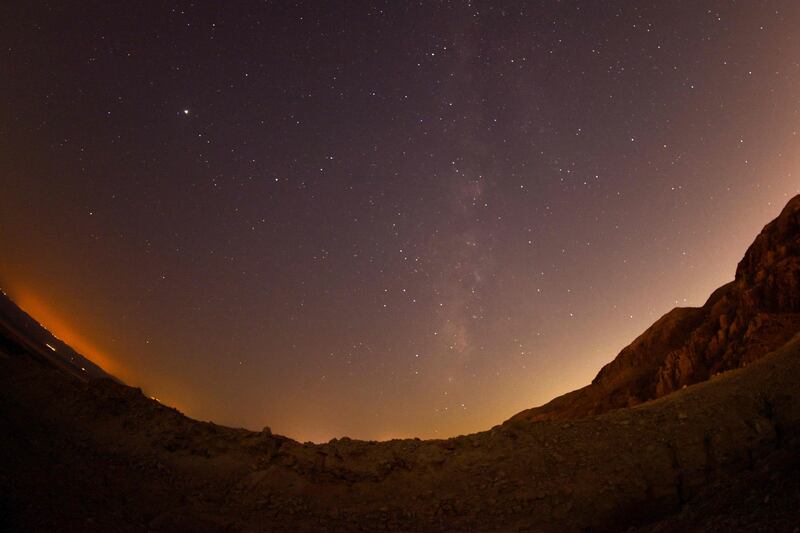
point(22, 333)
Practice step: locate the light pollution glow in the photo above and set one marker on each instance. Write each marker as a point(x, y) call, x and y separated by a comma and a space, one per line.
point(416, 222)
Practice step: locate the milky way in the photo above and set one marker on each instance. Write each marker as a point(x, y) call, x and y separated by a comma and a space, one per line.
point(383, 220)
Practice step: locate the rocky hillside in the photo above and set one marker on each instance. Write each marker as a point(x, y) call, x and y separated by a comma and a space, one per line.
point(740, 323)
point(718, 455)
point(100, 456)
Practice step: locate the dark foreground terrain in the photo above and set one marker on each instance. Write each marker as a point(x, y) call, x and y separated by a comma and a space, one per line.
point(693, 427)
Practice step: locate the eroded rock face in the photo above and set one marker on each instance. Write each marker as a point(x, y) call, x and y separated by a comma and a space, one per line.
point(741, 322)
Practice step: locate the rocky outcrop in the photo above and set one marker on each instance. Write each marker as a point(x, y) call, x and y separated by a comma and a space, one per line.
point(741, 322)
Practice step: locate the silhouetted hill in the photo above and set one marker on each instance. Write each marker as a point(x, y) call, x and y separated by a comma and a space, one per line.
point(19, 332)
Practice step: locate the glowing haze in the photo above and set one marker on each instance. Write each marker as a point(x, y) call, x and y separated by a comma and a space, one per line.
point(383, 220)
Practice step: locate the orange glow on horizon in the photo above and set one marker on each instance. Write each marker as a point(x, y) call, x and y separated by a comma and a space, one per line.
point(52, 321)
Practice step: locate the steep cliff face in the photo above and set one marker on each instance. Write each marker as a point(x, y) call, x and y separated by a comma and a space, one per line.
point(741, 322)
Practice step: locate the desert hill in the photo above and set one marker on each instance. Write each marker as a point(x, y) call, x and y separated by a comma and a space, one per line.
point(740, 323)
point(22, 334)
point(635, 449)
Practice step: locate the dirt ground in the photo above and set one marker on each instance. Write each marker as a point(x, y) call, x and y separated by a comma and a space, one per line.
point(693, 427)
point(99, 456)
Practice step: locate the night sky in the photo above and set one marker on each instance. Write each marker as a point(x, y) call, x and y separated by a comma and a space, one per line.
point(389, 219)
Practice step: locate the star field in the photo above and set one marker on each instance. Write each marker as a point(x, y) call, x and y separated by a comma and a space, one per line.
point(383, 219)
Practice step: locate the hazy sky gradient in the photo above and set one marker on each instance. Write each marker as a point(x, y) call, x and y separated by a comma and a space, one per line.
point(383, 220)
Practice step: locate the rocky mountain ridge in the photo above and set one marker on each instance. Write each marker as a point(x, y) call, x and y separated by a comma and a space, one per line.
point(741, 322)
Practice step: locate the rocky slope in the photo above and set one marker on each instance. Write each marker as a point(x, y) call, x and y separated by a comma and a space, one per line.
point(740, 323)
point(721, 454)
point(99, 456)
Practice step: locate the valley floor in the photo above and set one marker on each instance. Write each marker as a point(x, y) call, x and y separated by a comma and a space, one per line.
point(99, 456)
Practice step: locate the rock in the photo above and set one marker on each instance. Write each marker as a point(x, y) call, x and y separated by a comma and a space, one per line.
point(741, 322)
